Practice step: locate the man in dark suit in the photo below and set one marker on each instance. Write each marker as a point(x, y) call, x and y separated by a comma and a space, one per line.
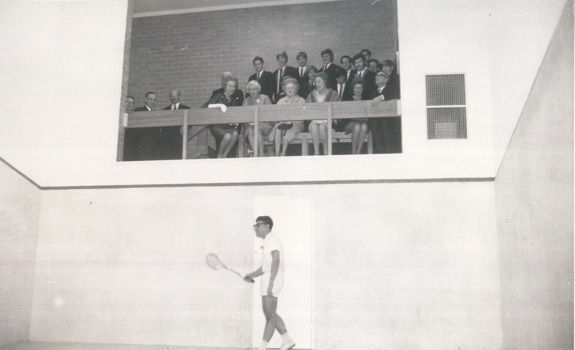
point(386, 131)
point(302, 76)
point(343, 88)
point(175, 101)
point(156, 143)
point(130, 104)
point(238, 95)
point(283, 71)
point(139, 142)
point(149, 103)
point(346, 64)
point(169, 139)
point(388, 67)
point(265, 78)
point(367, 75)
point(367, 54)
point(329, 67)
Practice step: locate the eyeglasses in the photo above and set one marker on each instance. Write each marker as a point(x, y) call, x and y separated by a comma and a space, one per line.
point(259, 224)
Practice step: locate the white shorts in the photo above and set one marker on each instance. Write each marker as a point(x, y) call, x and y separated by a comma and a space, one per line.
point(265, 282)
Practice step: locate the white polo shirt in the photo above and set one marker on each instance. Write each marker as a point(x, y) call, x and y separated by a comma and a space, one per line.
point(272, 242)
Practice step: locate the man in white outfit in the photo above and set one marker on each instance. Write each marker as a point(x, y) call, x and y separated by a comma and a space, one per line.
point(271, 283)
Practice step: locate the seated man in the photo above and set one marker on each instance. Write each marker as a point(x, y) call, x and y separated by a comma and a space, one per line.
point(130, 104)
point(175, 101)
point(156, 143)
point(386, 131)
point(388, 67)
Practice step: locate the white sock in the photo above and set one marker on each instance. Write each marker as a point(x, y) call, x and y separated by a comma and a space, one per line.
point(263, 345)
point(286, 338)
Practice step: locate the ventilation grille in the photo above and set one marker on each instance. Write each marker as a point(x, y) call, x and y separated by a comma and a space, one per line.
point(446, 111)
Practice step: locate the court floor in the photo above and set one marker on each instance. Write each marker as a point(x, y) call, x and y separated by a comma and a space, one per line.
point(86, 346)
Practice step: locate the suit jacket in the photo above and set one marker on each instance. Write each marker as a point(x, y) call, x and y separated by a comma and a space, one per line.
point(304, 84)
point(370, 86)
point(389, 93)
point(238, 95)
point(347, 92)
point(266, 81)
point(181, 106)
point(394, 84)
point(288, 71)
point(331, 72)
point(141, 109)
point(351, 76)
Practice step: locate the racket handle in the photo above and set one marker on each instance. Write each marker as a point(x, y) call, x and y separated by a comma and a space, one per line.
point(251, 280)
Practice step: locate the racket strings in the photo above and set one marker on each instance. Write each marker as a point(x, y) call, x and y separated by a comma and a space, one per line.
point(213, 261)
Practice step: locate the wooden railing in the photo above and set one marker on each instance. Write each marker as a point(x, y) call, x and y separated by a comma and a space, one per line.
point(267, 113)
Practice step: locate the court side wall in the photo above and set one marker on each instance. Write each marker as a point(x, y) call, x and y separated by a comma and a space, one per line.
point(397, 265)
point(19, 213)
point(534, 198)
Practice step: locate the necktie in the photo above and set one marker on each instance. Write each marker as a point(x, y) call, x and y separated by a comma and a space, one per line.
point(173, 107)
point(259, 76)
point(340, 90)
point(300, 72)
point(280, 73)
point(360, 74)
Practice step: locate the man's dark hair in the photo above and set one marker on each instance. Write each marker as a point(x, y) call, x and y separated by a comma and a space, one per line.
point(373, 60)
point(132, 97)
point(357, 56)
point(282, 54)
point(388, 63)
point(301, 54)
point(257, 58)
point(366, 50)
point(149, 93)
point(340, 72)
point(266, 220)
point(345, 56)
point(328, 52)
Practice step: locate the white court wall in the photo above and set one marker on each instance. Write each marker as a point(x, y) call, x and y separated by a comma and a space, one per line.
point(68, 65)
point(397, 265)
point(19, 210)
point(534, 201)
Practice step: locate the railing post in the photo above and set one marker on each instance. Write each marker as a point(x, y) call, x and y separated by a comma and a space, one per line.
point(185, 135)
point(256, 132)
point(122, 137)
point(329, 138)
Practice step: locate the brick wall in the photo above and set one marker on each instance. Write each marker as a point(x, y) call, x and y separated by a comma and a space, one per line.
point(190, 51)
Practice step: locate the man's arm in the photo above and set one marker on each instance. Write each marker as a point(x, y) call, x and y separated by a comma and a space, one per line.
point(250, 276)
point(274, 271)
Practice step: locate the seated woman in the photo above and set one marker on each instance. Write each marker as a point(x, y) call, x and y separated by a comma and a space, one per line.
point(256, 99)
point(318, 128)
point(226, 134)
point(290, 87)
point(357, 127)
